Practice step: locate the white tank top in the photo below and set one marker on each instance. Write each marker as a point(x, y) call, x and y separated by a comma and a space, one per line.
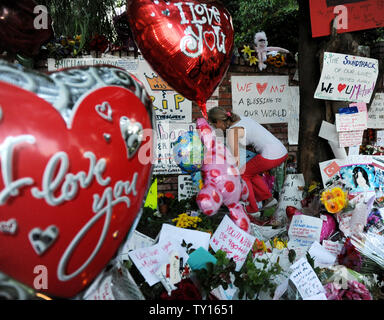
point(261, 139)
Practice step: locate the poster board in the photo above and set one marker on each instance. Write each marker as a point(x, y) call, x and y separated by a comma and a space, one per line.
point(266, 99)
point(347, 78)
point(167, 135)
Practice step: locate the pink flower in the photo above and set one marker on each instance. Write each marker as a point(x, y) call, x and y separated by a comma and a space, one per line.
point(355, 291)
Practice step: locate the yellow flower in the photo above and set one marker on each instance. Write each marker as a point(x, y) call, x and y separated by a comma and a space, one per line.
point(338, 192)
point(312, 187)
point(252, 60)
point(326, 196)
point(247, 50)
point(332, 206)
point(278, 244)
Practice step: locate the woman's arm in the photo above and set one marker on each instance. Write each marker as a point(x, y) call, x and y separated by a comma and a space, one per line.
point(234, 135)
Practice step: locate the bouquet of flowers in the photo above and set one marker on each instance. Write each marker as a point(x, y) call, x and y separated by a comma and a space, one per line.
point(334, 200)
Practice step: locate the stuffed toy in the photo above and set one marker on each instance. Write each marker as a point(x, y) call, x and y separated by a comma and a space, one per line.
point(222, 183)
point(262, 49)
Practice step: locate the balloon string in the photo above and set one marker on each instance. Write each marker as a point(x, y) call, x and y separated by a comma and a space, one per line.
point(203, 108)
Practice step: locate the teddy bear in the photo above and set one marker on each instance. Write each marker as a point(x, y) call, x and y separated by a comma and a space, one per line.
point(222, 183)
point(262, 49)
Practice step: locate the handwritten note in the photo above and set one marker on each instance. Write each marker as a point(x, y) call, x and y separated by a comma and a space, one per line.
point(136, 241)
point(380, 138)
point(350, 138)
point(103, 292)
point(376, 112)
point(347, 78)
point(351, 122)
point(332, 247)
point(186, 187)
point(290, 195)
point(148, 260)
point(266, 99)
point(167, 135)
point(234, 241)
point(304, 230)
point(305, 279)
point(168, 104)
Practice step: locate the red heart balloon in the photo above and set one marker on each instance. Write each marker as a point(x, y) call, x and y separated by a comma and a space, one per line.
point(188, 43)
point(74, 172)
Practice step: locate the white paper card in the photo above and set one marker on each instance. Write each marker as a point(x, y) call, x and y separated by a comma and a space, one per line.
point(351, 122)
point(229, 238)
point(305, 279)
point(322, 257)
point(103, 292)
point(380, 138)
point(332, 247)
point(197, 238)
point(328, 132)
point(149, 260)
point(350, 138)
point(376, 112)
point(304, 230)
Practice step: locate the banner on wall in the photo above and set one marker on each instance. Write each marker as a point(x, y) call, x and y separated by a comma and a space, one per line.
point(167, 135)
point(353, 15)
point(266, 99)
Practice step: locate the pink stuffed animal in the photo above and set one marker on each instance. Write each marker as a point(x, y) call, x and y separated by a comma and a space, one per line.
point(222, 181)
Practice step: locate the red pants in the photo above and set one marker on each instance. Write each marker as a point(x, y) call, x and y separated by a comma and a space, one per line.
point(258, 189)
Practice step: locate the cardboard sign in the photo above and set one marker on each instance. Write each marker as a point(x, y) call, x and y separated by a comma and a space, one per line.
point(304, 230)
point(234, 241)
point(168, 104)
point(290, 195)
point(376, 112)
point(294, 117)
point(167, 135)
point(353, 15)
point(266, 99)
point(186, 188)
point(305, 279)
point(347, 78)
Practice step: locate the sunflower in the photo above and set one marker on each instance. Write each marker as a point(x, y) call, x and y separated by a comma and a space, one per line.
point(338, 193)
point(332, 206)
point(326, 196)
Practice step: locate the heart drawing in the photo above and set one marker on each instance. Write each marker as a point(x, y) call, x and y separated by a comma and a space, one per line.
point(261, 87)
point(341, 87)
point(71, 175)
